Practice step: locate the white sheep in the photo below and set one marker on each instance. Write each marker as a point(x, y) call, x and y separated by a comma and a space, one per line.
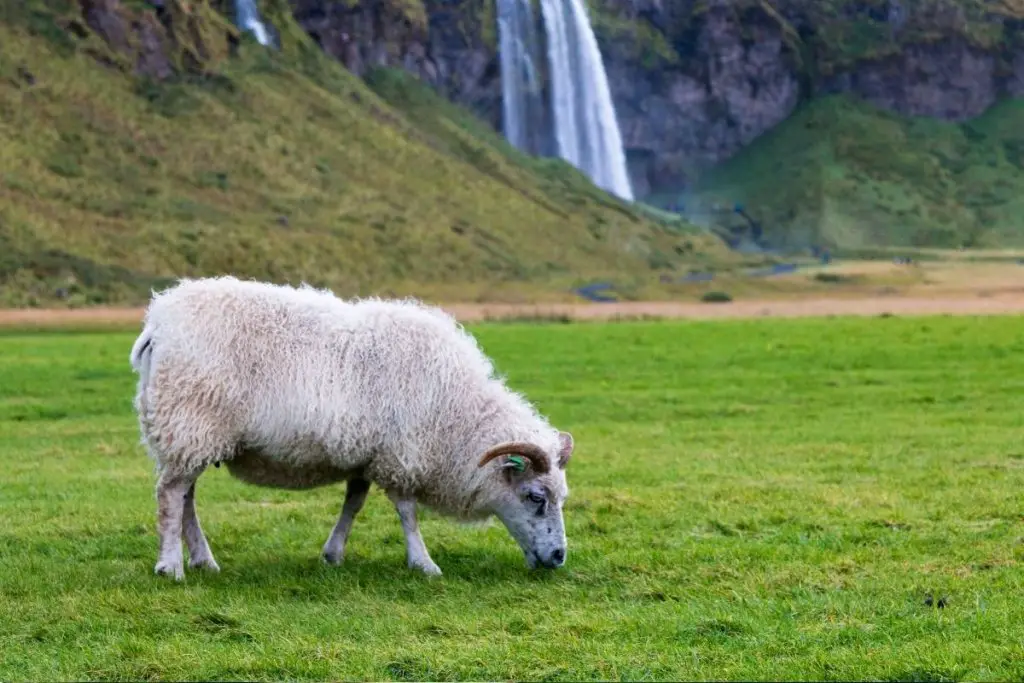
point(295, 388)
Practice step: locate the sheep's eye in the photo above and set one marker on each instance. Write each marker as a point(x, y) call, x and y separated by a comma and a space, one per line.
point(535, 497)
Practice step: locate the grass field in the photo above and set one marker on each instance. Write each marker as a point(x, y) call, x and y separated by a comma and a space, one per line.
point(802, 499)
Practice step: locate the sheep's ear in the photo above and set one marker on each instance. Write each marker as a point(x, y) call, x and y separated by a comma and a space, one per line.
point(565, 446)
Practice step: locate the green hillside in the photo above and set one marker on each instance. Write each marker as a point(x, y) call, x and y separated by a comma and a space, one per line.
point(844, 173)
point(277, 165)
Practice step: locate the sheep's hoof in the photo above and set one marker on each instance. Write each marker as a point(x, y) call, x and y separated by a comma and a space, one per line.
point(207, 563)
point(332, 558)
point(428, 568)
point(170, 568)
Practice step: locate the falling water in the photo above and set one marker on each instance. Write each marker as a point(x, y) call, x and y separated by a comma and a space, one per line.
point(520, 84)
point(248, 19)
point(586, 127)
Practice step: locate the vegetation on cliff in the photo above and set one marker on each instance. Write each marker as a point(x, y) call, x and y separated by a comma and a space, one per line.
point(843, 173)
point(138, 147)
point(823, 35)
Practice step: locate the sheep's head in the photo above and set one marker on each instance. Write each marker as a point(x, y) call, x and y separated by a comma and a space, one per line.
point(531, 497)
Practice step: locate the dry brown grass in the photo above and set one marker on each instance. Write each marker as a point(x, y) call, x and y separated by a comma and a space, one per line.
point(941, 288)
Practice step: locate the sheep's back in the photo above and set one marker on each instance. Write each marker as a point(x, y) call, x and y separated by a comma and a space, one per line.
point(299, 365)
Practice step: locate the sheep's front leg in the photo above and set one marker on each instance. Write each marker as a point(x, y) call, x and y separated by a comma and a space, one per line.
point(415, 550)
point(170, 500)
point(355, 496)
point(199, 553)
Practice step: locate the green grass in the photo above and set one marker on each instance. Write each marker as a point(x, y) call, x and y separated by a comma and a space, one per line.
point(281, 166)
point(750, 500)
point(843, 173)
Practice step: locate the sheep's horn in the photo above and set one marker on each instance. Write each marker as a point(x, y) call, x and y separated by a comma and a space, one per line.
point(537, 457)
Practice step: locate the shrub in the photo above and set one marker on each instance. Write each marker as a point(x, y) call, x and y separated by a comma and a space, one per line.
point(716, 297)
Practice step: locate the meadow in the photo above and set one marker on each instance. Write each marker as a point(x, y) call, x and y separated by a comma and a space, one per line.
point(750, 500)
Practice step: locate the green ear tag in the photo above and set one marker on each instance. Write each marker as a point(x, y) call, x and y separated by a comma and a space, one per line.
point(517, 462)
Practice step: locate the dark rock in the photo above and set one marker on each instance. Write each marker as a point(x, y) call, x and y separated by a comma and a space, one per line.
point(456, 62)
point(947, 80)
point(736, 85)
point(151, 56)
point(25, 75)
point(141, 38)
point(1015, 83)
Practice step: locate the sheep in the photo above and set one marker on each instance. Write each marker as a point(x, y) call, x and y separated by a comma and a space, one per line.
point(294, 388)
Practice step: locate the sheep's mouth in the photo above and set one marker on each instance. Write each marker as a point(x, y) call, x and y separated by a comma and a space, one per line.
point(531, 559)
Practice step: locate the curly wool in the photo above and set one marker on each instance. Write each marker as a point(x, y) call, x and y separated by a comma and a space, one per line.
point(294, 387)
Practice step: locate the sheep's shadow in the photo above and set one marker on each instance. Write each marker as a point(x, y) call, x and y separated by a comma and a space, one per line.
point(311, 578)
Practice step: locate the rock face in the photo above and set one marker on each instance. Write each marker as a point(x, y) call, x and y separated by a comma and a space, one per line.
point(440, 50)
point(694, 83)
point(948, 80)
point(736, 84)
point(143, 41)
point(741, 68)
point(1015, 82)
point(156, 40)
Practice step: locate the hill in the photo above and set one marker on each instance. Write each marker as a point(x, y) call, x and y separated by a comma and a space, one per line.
point(844, 173)
point(135, 147)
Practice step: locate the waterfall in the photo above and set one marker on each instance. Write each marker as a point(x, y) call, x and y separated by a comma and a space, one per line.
point(520, 82)
point(248, 19)
point(585, 129)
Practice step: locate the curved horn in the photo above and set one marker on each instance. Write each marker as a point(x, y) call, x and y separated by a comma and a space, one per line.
point(537, 457)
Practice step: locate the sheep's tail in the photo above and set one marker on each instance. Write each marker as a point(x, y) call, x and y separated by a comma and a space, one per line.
point(142, 355)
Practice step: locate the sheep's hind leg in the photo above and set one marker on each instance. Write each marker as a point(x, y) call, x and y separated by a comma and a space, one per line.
point(199, 553)
point(355, 496)
point(416, 550)
point(171, 491)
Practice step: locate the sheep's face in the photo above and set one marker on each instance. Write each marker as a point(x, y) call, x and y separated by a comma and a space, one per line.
point(531, 506)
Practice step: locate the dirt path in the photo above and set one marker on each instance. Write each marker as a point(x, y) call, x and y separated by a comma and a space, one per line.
point(800, 308)
point(998, 304)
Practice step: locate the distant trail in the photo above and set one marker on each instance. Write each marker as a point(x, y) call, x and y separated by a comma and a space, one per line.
point(795, 308)
point(997, 304)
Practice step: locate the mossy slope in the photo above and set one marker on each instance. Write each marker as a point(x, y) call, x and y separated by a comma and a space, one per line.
point(276, 165)
point(843, 173)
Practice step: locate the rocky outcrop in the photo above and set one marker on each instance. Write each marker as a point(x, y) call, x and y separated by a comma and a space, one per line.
point(1015, 80)
point(947, 80)
point(694, 83)
point(740, 68)
point(363, 35)
point(166, 38)
point(736, 83)
point(441, 51)
point(141, 41)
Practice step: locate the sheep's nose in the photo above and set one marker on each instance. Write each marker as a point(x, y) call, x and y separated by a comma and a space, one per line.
point(558, 557)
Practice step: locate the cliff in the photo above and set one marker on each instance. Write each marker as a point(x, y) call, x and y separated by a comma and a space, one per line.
point(730, 71)
point(143, 143)
point(697, 83)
